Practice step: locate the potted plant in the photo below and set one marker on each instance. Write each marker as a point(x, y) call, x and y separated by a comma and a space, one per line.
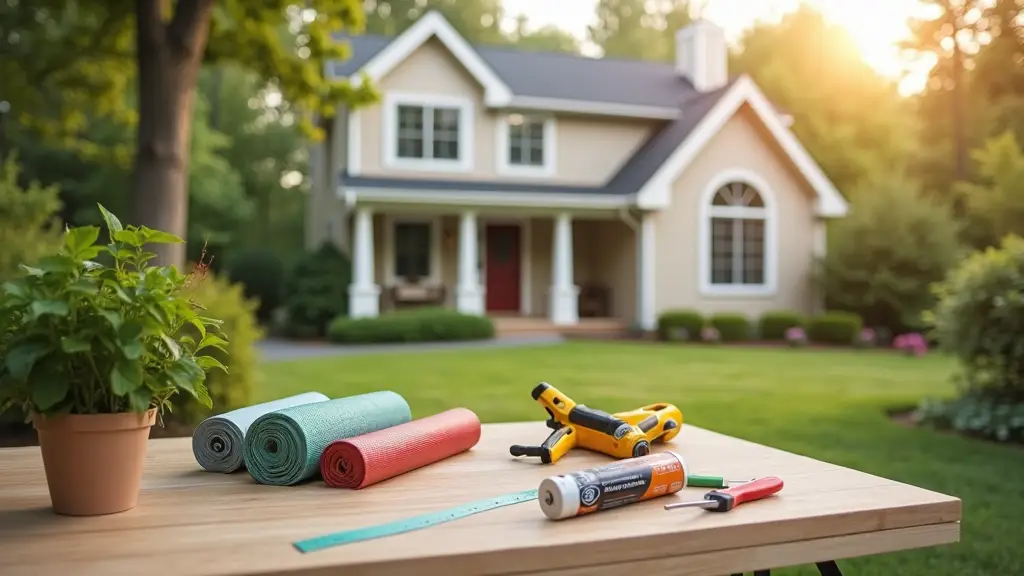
point(93, 353)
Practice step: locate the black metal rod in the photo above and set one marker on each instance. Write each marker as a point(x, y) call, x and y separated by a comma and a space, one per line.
point(829, 568)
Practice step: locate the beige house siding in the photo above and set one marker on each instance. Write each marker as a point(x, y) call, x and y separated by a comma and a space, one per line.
point(741, 144)
point(588, 149)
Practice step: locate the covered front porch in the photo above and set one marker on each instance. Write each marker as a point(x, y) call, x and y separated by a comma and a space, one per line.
point(530, 269)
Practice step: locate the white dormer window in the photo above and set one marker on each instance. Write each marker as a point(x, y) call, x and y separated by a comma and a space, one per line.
point(427, 132)
point(526, 144)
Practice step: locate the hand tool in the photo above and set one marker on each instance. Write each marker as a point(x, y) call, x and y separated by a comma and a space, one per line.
point(414, 523)
point(622, 435)
point(698, 481)
point(726, 500)
point(618, 484)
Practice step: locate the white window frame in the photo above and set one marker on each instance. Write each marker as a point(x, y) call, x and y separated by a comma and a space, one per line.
point(389, 132)
point(550, 161)
point(390, 221)
point(769, 214)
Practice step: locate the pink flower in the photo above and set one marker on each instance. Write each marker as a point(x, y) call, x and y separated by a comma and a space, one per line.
point(911, 343)
point(709, 334)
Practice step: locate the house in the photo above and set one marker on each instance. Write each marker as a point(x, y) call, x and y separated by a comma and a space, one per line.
point(506, 182)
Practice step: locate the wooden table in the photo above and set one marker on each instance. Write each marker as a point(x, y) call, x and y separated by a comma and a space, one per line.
point(191, 522)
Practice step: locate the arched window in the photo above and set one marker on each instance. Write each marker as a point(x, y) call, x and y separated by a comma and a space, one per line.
point(736, 242)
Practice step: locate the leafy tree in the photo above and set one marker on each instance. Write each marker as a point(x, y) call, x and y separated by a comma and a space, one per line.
point(948, 34)
point(994, 207)
point(884, 256)
point(264, 145)
point(638, 29)
point(852, 120)
point(74, 59)
point(29, 228)
point(544, 39)
point(478, 21)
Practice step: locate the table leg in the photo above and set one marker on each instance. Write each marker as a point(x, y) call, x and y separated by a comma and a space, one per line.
point(828, 568)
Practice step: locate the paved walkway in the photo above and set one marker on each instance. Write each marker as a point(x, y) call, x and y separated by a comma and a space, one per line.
point(278, 350)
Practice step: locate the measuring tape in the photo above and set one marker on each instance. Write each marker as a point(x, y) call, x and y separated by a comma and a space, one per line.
point(414, 523)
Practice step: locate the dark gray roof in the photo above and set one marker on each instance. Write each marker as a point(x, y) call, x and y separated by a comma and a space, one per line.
point(633, 174)
point(552, 75)
point(564, 76)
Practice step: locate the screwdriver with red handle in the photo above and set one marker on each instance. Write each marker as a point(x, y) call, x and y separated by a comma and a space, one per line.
point(725, 500)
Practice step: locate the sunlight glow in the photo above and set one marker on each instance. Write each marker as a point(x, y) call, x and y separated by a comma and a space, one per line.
point(876, 26)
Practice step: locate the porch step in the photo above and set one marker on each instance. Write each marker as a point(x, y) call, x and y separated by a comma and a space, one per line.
point(587, 327)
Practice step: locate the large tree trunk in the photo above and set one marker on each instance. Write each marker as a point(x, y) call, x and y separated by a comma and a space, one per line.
point(169, 57)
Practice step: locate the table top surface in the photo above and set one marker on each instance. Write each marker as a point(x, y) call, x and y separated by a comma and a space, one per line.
point(192, 522)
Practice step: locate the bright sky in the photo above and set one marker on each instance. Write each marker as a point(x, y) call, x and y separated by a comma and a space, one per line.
point(876, 25)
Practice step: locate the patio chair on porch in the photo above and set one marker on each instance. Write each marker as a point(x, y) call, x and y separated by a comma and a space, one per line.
point(415, 293)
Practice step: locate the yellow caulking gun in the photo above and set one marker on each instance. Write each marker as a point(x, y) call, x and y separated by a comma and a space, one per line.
point(622, 435)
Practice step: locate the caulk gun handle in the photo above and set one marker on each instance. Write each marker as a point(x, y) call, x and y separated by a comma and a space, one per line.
point(518, 450)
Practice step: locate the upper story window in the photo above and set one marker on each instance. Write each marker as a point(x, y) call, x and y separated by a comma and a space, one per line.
point(427, 132)
point(527, 144)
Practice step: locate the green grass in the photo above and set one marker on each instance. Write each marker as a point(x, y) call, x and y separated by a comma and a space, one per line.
point(824, 404)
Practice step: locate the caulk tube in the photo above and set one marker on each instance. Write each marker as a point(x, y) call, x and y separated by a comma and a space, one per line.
point(618, 484)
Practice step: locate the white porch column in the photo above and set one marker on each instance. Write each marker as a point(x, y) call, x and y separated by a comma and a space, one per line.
point(469, 296)
point(646, 317)
point(363, 293)
point(564, 304)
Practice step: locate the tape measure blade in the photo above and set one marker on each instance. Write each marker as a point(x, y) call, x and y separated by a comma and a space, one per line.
point(411, 524)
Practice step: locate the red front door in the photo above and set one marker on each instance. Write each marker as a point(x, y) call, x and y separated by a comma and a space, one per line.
point(502, 268)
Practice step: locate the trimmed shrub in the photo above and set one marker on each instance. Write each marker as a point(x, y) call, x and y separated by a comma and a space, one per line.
point(226, 302)
point(731, 326)
point(883, 258)
point(773, 325)
point(834, 328)
point(419, 325)
point(680, 325)
point(261, 274)
point(980, 320)
point(316, 291)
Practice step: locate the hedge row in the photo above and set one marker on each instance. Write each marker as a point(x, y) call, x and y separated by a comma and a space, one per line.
point(827, 328)
point(418, 325)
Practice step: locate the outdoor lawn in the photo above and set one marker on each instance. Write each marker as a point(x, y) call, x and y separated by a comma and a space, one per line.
point(825, 404)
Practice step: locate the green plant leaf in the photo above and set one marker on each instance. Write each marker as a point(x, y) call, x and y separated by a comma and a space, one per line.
point(206, 362)
point(212, 340)
point(172, 347)
point(22, 357)
point(49, 307)
point(73, 345)
point(113, 318)
point(76, 240)
point(129, 237)
point(31, 270)
point(17, 288)
point(203, 395)
point(126, 376)
point(84, 286)
point(129, 337)
point(140, 399)
point(150, 236)
point(57, 263)
point(113, 224)
point(186, 375)
point(49, 390)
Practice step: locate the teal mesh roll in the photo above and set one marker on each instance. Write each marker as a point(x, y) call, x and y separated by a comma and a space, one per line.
point(284, 447)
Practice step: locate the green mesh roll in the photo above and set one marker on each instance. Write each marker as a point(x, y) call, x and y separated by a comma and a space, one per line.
point(284, 447)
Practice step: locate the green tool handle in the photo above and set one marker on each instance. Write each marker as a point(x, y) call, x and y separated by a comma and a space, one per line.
point(698, 481)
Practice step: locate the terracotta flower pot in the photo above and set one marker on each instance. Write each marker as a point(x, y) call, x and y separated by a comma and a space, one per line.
point(94, 462)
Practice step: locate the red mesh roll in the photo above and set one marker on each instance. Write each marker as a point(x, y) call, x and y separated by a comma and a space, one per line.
point(370, 458)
